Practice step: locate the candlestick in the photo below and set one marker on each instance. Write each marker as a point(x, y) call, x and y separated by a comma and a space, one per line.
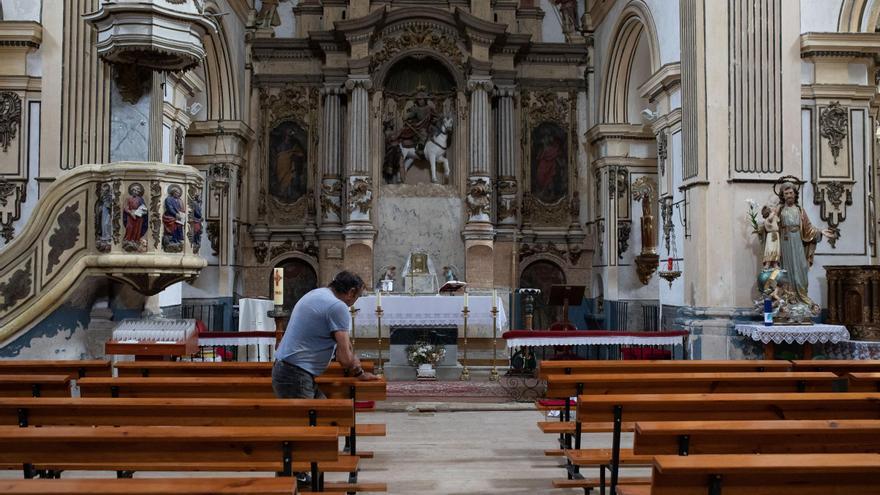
point(465, 374)
point(493, 375)
point(353, 312)
point(380, 370)
point(278, 286)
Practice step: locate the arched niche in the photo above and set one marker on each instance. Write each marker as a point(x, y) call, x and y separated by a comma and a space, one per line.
point(299, 278)
point(419, 92)
point(633, 57)
point(543, 274)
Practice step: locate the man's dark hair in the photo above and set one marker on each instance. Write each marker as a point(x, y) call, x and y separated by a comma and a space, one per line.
point(345, 281)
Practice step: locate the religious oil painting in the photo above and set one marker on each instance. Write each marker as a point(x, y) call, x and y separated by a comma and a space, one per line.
point(549, 167)
point(299, 279)
point(288, 161)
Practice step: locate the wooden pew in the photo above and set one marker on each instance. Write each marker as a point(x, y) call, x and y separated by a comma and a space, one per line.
point(170, 486)
point(705, 407)
point(196, 368)
point(864, 382)
point(564, 386)
point(171, 448)
point(750, 474)
point(175, 412)
point(757, 437)
point(34, 386)
point(839, 366)
point(547, 368)
point(335, 387)
point(75, 368)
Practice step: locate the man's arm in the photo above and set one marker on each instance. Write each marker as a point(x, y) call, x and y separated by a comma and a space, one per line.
point(346, 357)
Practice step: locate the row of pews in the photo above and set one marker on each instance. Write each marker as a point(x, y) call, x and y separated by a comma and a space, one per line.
point(716, 427)
point(58, 416)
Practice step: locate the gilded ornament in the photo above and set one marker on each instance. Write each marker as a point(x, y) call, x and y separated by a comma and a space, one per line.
point(10, 118)
point(418, 35)
point(833, 126)
point(64, 236)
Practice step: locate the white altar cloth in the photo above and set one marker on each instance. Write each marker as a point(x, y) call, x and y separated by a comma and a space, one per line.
point(428, 311)
point(252, 316)
point(790, 334)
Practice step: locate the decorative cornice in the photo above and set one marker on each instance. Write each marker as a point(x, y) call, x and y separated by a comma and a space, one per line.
point(848, 45)
point(284, 48)
point(235, 128)
point(623, 132)
point(21, 34)
point(838, 91)
point(555, 53)
point(665, 79)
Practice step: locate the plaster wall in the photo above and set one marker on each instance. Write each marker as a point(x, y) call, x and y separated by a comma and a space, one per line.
point(673, 295)
point(408, 224)
point(820, 16)
point(552, 26)
point(22, 10)
point(668, 23)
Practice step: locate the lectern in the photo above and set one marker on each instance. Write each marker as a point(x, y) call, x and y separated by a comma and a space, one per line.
point(563, 295)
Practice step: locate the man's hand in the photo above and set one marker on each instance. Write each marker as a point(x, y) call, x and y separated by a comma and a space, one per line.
point(366, 376)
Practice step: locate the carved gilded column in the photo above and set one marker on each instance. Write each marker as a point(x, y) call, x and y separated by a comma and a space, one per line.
point(331, 139)
point(506, 186)
point(359, 231)
point(479, 233)
point(479, 185)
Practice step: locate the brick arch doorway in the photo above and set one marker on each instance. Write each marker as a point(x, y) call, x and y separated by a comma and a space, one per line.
point(299, 278)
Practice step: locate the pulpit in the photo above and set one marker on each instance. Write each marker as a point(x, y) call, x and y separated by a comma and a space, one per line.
point(854, 299)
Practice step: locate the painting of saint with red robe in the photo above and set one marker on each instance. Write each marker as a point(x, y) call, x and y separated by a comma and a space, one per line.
point(549, 168)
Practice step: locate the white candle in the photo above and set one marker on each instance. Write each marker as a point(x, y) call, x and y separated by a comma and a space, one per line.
point(278, 284)
point(494, 298)
point(465, 299)
point(378, 299)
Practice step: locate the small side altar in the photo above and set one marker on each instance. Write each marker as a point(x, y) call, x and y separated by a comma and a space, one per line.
point(805, 335)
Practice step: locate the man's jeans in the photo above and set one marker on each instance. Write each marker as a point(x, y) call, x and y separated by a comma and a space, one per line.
point(293, 382)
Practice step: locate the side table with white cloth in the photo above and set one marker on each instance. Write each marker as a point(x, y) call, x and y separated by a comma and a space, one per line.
point(805, 335)
point(252, 316)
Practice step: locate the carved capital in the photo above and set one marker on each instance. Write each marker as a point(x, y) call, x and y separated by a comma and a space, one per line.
point(479, 199)
point(480, 84)
point(363, 83)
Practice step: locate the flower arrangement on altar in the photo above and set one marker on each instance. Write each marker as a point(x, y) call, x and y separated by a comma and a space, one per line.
point(425, 353)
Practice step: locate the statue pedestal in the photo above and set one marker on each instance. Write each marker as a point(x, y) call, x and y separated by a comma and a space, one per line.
point(420, 284)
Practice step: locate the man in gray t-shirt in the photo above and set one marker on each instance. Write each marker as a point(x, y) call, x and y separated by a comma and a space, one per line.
point(319, 325)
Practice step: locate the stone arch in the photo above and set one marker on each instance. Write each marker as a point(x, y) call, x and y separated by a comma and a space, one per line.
point(859, 16)
point(628, 53)
point(381, 75)
point(541, 273)
point(222, 86)
point(300, 276)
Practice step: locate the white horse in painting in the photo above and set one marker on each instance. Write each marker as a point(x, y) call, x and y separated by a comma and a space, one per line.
point(435, 151)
